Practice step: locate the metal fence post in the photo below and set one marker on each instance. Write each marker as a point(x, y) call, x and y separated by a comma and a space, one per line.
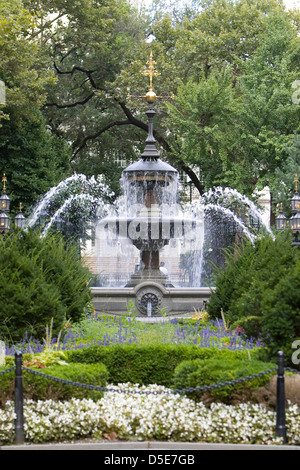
point(19, 425)
point(280, 400)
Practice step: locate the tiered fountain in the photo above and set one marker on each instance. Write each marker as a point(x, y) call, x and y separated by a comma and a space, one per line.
point(152, 217)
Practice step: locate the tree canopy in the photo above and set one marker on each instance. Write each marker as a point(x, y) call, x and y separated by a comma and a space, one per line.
point(232, 67)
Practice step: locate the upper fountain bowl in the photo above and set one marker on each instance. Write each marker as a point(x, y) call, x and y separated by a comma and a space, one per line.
point(148, 168)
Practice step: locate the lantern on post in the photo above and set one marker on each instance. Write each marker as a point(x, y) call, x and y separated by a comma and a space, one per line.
point(4, 208)
point(281, 220)
point(4, 199)
point(4, 222)
point(295, 219)
point(20, 220)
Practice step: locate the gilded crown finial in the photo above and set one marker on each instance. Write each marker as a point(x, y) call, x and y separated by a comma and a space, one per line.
point(4, 181)
point(151, 96)
point(296, 180)
point(151, 72)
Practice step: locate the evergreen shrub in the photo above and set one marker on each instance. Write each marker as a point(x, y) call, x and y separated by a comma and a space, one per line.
point(36, 387)
point(40, 279)
point(258, 289)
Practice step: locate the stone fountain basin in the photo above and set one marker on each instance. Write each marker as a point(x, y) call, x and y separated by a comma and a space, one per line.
point(171, 301)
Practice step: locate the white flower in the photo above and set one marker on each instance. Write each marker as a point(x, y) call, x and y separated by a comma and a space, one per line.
point(136, 413)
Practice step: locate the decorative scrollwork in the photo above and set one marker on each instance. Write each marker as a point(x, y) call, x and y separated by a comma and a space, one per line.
point(149, 295)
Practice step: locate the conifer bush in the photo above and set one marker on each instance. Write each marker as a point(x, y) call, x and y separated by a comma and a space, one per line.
point(258, 289)
point(40, 279)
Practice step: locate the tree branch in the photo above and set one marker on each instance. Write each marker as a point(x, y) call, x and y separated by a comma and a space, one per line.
point(71, 105)
point(46, 25)
point(79, 69)
point(97, 134)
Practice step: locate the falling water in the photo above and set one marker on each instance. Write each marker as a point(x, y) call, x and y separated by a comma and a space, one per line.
point(231, 215)
point(230, 195)
point(67, 203)
point(50, 194)
point(218, 200)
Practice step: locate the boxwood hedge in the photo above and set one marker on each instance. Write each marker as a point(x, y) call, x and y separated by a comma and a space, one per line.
point(149, 364)
point(37, 387)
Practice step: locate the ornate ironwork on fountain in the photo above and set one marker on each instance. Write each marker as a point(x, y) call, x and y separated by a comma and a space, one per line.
point(149, 300)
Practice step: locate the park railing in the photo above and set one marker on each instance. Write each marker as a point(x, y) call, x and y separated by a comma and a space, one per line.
point(280, 428)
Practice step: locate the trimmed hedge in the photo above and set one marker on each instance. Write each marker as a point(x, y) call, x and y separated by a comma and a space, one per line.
point(199, 372)
point(173, 366)
point(148, 364)
point(36, 387)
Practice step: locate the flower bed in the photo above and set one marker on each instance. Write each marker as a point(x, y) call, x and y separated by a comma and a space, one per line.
point(108, 330)
point(149, 413)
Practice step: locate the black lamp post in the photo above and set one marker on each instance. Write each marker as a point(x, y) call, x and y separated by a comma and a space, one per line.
point(5, 205)
point(281, 222)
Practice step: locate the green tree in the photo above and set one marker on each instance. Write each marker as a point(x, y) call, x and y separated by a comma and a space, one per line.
point(269, 119)
point(205, 116)
point(283, 184)
point(237, 122)
point(89, 50)
point(245, 53)
point(32, 158)
point(23, 67)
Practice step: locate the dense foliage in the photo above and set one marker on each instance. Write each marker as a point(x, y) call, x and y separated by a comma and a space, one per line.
point(40, 279)
point(213, 370)
point(258, 290)
point(40, 388)
point(233, 68)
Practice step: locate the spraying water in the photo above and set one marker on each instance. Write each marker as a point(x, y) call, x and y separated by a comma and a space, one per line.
point(66, 205)
point(190, 221)
point(228, 196)
point(54, 191)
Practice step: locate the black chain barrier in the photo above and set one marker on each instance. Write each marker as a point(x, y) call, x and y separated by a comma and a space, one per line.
point(153, 392)
point(280, 405)
point(7, 370)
